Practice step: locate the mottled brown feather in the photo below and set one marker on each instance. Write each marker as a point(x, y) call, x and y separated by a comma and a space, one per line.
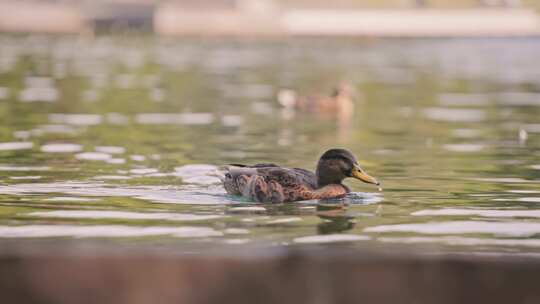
point(275, 184)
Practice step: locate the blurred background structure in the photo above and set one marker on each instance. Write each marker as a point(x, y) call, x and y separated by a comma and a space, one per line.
point(276, 17)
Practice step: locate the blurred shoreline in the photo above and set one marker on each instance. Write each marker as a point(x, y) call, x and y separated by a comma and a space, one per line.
point(172, 18)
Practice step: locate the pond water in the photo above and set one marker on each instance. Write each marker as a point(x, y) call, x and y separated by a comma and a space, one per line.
point(119, 140)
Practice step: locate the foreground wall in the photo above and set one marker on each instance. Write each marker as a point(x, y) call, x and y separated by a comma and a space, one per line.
point(318, 276)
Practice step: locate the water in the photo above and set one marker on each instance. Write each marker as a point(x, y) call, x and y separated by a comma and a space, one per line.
point(120, 140)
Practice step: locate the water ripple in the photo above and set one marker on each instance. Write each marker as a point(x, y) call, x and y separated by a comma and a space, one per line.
point(40, 231)
point(479, 212)
point(106, 214)
point(331, 238)
point(159, 194)
point(517, 229)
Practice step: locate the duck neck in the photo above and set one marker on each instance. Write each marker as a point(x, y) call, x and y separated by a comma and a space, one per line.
point(325, 178)
point(324, 184)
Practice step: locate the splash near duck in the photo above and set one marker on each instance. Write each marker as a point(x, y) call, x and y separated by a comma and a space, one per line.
point(270, 183)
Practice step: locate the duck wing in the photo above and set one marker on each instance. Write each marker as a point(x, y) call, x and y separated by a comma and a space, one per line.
point(289, 182)
point(233, 172)
point(288, 177)
point(262, 165)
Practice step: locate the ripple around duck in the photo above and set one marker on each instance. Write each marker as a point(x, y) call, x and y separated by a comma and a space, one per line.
point(159, 194)
point(189, 194)
point(201, 174)
point(195, 170)
point(363, 198)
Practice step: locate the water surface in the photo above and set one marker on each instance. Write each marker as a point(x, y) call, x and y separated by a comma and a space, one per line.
point(120, 141)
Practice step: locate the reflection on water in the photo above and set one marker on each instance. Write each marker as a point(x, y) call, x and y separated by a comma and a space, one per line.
point(334, 218)
point(334, 224)
point(123, 139)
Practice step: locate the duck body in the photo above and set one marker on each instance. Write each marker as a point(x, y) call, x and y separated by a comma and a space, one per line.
point(270, 183)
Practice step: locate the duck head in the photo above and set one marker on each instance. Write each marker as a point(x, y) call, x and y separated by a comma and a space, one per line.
point(337, 164)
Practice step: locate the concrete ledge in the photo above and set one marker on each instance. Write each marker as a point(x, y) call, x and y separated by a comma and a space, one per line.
point(176, 20)
point(40, 17)
point(411, 23)
point(293, 276)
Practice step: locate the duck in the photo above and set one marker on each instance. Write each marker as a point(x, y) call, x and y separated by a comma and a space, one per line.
point(339, 103)
point(270, 183)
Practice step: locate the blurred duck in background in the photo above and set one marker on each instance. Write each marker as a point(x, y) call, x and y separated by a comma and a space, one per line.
point(339, 104)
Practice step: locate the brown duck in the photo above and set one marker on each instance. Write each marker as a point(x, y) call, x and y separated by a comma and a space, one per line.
point(339, 103)
point(270, 183)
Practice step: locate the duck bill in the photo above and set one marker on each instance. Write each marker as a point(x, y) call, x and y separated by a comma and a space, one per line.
point(360, 174)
